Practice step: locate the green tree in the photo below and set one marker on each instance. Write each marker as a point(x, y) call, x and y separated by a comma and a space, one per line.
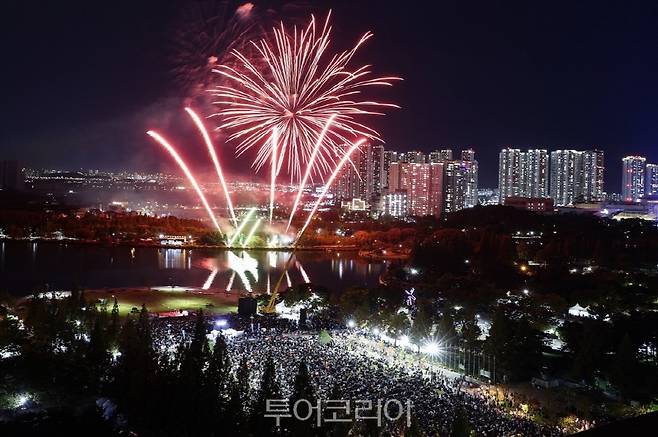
point(470, 332)
point(625, 367)
point(421, 327)
point(98, 354)
point(192, 382)
point(115, 322)
point(446, 328)
point(302, 390)
point(397, 325)
point(234, 416)
point(269, 389)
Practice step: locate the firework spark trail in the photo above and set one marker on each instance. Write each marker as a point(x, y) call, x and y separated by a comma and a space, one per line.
point(211, 277)
point(300, 85)
point(230, 281)
point(251, 233)
point(275, 140)
point(309, 167)
point(240, 228)
point(327, 186)
point(157, 137)
point(215, 160)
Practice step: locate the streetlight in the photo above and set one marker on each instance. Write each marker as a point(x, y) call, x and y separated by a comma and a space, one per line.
point(21, 400)
point(432, 348)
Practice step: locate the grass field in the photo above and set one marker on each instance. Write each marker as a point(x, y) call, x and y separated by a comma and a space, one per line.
point(164, 299)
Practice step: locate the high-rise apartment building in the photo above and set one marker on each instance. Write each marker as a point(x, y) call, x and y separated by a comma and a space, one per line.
point(395, 204)
point(576, 176)
point(468, 155)
point(440, 155)
point(565, 166)
point(523, 174)
point(376, 180)
point(389, 156)
point(651, 184)
point(591, 176)
point(414, 157)
point(470, 167)
point(510, 173)
point(347, 185)
point(535, 173)
point(423, 184)
point(633, 178)
point(455, 185)
point(364, 179)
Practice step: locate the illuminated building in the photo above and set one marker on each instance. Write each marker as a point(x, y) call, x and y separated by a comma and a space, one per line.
point(651, 185)
point(565, 165)
point(510, 173)
point(468, 155)
point(535, 173)
point(576, 176)
point(376, 179)
point(633, 179)
point(456, 174)
point(395, 204)
point(367, 181)
point(437, 189)
point(536, 204)
point(389, 156)
point(522, 174)
point(415, 178)
point(423, 184)
point(591, 182)
point(471, 167)
point(414, 157)
point(440, 155)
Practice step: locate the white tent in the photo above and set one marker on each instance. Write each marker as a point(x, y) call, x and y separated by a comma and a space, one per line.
point(579, 311)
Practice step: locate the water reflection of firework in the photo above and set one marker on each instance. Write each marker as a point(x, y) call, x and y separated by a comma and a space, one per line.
point(246, 268)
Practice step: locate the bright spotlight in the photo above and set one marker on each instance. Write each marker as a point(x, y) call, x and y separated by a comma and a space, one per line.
point(220, 322)
point(351, 323)
point(432, 348)
point(376, 331)
point(21, 400)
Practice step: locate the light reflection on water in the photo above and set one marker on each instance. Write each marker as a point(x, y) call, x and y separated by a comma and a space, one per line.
point(29, 266)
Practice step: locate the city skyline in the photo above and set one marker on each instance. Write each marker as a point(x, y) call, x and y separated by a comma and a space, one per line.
point(102, 113)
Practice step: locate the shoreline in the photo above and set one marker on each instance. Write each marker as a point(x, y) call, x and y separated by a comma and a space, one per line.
point(350, 248)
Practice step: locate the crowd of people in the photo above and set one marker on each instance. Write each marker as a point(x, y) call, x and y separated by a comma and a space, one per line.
point(341, 364)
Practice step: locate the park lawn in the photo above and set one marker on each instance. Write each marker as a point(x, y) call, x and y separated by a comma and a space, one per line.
point(160, 300)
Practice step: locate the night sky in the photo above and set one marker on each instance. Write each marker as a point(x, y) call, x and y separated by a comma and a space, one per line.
point(83, 82)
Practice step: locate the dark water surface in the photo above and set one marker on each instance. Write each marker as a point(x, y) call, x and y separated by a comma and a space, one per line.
point(26, 267)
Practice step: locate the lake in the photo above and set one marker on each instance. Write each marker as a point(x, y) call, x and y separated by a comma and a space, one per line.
point(26, 267)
